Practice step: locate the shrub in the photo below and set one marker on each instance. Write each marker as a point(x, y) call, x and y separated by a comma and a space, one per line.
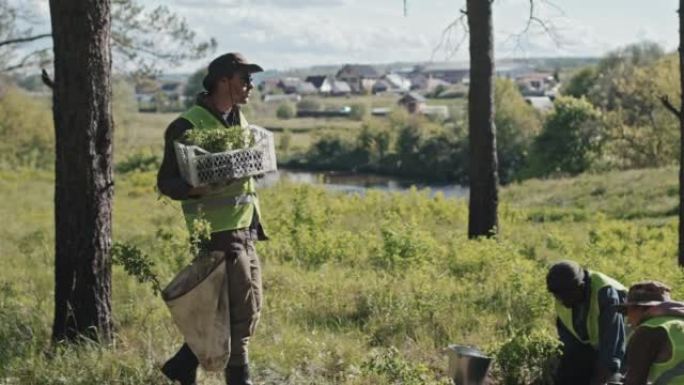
point(285, 111)
point(309, 104)
point(570, 141)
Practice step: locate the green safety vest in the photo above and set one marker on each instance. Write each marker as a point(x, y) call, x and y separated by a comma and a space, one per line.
point(672, 371)
point(229, 207)
point(597, 281)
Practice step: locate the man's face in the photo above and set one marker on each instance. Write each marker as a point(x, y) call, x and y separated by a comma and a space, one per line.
point(241, 87)
point(569, 296)
point(635, 314)
point(237, 87)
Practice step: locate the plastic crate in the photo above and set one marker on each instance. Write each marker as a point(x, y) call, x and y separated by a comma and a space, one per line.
point(200, 167)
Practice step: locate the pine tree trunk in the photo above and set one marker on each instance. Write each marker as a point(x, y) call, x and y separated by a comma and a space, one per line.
point(681, 135)
point(83, 170)
point(484, 178)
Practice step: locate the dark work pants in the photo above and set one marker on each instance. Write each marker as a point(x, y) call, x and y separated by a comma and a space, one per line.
point(577, 364)
point(244, 285)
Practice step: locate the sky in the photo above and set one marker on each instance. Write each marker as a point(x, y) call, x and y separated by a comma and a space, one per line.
point(286, 34)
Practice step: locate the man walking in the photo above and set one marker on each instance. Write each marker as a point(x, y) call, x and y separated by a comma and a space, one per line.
point(590, 328)
point(232, 211)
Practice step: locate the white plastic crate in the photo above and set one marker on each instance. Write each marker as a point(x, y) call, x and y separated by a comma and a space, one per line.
point(200, 167)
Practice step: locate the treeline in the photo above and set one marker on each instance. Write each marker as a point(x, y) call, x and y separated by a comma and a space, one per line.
point(608, 116)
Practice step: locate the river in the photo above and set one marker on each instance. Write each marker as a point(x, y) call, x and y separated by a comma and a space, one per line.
point(359, 183)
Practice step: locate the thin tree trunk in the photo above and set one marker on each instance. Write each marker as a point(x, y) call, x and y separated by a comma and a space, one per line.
point(484, 178)
point(83, 171)
point(681, 135)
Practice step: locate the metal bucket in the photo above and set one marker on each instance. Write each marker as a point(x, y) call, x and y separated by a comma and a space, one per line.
point(467, 365)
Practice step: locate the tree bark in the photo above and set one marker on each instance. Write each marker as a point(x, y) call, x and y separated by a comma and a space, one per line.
point(83, 169)
point(484, 180)
point(680, 252)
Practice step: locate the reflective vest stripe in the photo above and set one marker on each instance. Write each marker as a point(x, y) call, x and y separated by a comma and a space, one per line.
point(218, 202)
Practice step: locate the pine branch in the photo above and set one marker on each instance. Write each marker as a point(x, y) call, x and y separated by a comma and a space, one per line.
point(24, 39)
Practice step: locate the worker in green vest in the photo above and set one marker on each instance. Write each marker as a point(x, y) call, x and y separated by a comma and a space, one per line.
point(590, 328)
point(655, 351)
point(232, 211)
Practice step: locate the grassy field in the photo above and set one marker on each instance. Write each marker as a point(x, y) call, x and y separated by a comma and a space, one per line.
point(359, 289)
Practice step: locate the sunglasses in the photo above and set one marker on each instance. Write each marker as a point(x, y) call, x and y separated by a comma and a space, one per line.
point(247, 78)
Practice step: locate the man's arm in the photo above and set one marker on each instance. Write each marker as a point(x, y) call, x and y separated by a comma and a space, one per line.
point(643, 348)
point(169, 180)
point(611, 349)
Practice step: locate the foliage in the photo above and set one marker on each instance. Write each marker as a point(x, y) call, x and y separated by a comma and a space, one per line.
point(359, 288)
point(139, 161)
point(309, 104)
point(527, 358)
point(570, 140)
point(26, 129)
point(136, 263)
point(581, 83)
point(140, 38)
point(358, 111)
point(194, 86)
point(285, 111)
point(641, 132)
point(517, 124)
point(219, 139)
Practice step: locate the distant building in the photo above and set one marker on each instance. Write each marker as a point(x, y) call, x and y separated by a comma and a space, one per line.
point(451, 73)
point(427, 83)
point(322, 83)
point(340, 88)
point(535, 84)
point(392, 83)
point(413, 102)
point(540, 103)
point(306, 88)
point(289, 85)
point(360, 78)
point(274, 98)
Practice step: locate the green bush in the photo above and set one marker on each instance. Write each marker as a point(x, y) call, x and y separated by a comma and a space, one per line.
point(309, 104)
point(26, 128)
point(570, 141)
point(527, 358)
point(285, 111)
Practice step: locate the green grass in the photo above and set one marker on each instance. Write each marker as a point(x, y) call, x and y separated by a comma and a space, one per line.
point(358, 289)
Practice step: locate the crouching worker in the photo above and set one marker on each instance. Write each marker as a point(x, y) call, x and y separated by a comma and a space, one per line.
point(655, 352)
point(590, 328)
point(232, 211)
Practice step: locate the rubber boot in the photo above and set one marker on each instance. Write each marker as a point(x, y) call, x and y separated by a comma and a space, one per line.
point(238, 375)
point(182, 367)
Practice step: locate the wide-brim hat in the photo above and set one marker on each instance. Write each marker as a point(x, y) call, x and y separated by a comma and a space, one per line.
point(646, 293)
point(228, 64)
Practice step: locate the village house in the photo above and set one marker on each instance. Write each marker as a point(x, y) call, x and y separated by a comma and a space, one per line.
point(393, 83)
point(535, 84)
point(451, 73)
point(413, 102)
point(360, 78)
point(322, 83)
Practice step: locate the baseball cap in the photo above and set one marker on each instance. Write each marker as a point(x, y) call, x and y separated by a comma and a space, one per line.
point(228, 64)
